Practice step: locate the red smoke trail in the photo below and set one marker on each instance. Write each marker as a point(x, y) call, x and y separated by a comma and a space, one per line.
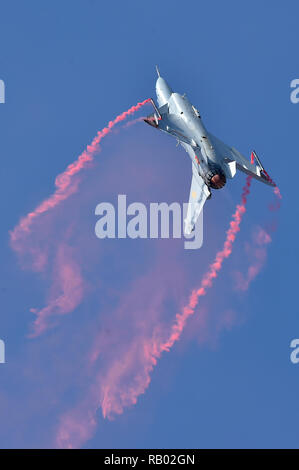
point(215, 267)
point(67, 289)
point(113, 397)
point(111, 390)
point(276, 205)
point(64, 188)
point(257, 252)
point(262, 239)
point(212, 273)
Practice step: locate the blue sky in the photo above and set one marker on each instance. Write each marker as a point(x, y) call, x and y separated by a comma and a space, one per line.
point(70, 67)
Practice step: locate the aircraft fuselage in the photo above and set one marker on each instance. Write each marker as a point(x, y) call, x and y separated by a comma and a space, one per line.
point(190, 125)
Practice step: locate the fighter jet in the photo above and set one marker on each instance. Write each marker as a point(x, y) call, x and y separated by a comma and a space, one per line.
point(213, 162)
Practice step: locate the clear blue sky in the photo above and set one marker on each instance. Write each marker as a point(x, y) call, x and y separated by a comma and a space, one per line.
point(70, 67)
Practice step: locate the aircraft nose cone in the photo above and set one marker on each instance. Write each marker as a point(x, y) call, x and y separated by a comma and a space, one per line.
point(218, 181)
point(163, 91)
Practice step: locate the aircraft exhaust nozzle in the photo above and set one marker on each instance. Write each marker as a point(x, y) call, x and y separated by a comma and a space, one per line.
point(215, 178)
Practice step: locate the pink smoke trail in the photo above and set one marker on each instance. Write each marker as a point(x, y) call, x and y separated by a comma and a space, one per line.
point(276, 205)
point(212, 273)
point(215, 267)
point(113, 399)
point(67, 288)
point(64, 188)
point(66, 292)
point(111, 390)
point(258, 248)
point(258, 255)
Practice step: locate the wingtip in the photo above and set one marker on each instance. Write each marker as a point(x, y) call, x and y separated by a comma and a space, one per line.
point(158, 71)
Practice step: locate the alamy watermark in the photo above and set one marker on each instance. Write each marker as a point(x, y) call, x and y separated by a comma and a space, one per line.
point(2, 91)
point(295, 351)
point(2, 352)
point(143, 223)
point(294, 96)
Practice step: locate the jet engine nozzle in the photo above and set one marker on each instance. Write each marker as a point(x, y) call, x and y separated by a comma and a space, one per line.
point(216, 179)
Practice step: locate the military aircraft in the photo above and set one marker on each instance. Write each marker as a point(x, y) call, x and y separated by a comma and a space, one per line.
point(212, 160)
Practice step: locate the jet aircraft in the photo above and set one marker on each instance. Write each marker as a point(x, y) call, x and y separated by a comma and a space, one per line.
point(213, 162)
